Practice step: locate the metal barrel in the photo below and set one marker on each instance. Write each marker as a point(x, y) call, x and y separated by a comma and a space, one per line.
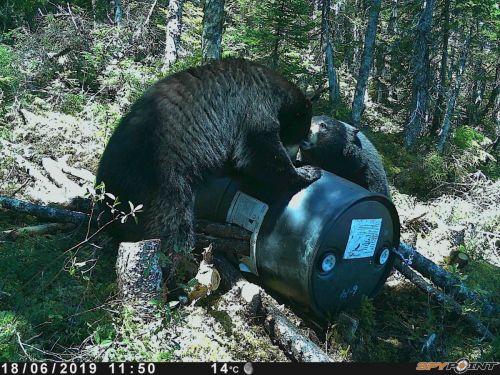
point(323, 247)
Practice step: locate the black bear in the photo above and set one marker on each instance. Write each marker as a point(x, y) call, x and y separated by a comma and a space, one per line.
point(232, 114)
point(342, 149)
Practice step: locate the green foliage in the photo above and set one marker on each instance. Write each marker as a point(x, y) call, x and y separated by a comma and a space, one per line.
point(465, 137)
point(9, 79)
point(274, 32)
point(73, 104)
point(367, 314)
point(60, 294)
point(12, 329)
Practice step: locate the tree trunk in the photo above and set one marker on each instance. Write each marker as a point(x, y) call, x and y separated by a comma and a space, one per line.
point(118, 12)
point(275, 55)
point(213, 22)
point(437, 118)
point(418, 110)
point(493, 100)
point(392, 28)
point(366, 63)
point(333, 83)
point(452, 101)
point(173, 33)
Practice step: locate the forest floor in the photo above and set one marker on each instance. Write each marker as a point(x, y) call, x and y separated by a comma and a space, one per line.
point(60, 304)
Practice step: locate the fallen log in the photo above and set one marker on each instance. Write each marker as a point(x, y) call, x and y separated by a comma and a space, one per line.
point(36, 230)
point(280, 329)
point(442, 298)
point(443, 279)
point(44, 212)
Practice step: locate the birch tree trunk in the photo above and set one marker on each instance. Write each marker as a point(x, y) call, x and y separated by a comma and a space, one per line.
point(173, 33)
point(452, 100)
point(366, 63)
point(418, 110)
point(213, 21)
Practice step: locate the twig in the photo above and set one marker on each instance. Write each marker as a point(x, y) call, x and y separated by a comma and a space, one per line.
point(20, 187)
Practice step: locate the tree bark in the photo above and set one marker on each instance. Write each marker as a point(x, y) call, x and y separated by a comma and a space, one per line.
point(333, 83)
point(213, 22)
point(139, 275)
point(173, 33)
point(452, 101)
point(366, 63)
point(43, 212)
point(418, 112)
point(437, 118)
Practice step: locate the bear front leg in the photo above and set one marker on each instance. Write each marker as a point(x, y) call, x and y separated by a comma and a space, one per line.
point(261, 155)
point(170, 217)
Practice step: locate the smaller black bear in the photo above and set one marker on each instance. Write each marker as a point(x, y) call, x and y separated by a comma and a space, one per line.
point(342, 149)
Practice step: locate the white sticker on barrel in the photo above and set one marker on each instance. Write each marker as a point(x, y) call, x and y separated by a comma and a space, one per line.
point(246, 211)
point(363, 238)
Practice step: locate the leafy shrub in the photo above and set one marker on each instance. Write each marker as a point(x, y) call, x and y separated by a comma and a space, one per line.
point(465, 137)
point(73, 104)
point(11, 327)
point(9, 79)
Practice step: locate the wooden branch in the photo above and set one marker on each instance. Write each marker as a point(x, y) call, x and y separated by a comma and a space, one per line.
point(441, 297)
point(443, 278)
point(37, 230)
point(222, 230)
point(277, 324)
point(43, 212)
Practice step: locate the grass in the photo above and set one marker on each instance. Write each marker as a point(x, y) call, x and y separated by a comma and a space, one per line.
point(51, 298)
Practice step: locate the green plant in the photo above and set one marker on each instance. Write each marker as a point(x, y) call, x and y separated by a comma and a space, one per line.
point(9, 79)
point(465, 137)
point(12, 329)
point(73, 104)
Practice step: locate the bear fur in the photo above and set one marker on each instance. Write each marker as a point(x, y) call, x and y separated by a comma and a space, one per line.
point(342, 149)
point(230, 114)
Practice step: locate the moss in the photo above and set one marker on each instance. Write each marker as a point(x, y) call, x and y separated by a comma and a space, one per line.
point(61, 306)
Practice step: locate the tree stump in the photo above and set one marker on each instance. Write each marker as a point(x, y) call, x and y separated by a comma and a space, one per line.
point(139, 275)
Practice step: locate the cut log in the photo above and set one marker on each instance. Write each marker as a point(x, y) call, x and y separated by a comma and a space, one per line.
point(280, 329)
point(139, 275)
point(442, 298)
point(443, 278)
point(222, 230)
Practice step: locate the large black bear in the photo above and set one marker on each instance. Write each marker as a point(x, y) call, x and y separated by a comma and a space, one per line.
point(230, 113)
point(342, 149)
